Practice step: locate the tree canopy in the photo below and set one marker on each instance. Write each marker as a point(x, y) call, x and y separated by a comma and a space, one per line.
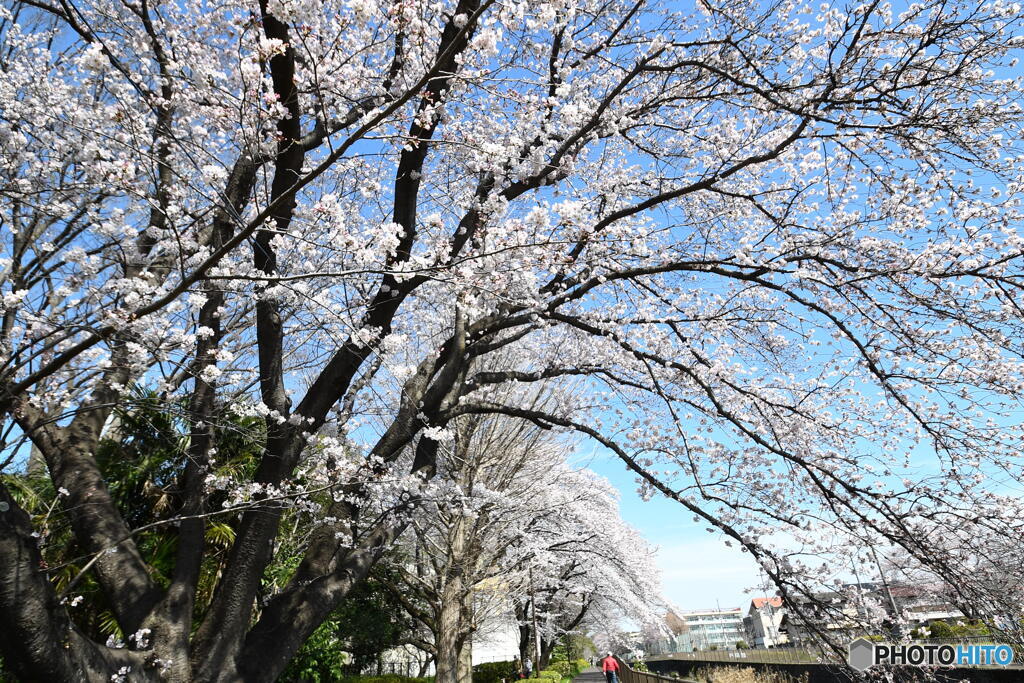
point(773, 245)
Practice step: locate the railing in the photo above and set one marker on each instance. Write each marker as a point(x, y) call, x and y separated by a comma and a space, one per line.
point(796, 655)
point(630, 675)
point(782, 655)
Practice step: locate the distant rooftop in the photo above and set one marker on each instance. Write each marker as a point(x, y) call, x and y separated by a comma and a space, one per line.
point(699, 612)
point(759, 603)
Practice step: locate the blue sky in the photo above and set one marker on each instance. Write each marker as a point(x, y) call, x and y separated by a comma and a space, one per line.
point(698, 570)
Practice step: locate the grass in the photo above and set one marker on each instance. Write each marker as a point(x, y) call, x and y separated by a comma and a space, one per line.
point(731, 674)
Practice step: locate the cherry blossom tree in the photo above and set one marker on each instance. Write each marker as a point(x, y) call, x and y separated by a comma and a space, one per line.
point(775, 245)
point(512, 535)
point(586, 567)
point(461, 559)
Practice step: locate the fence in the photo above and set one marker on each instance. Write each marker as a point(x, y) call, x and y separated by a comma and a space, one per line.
point(804, 656)
point(495, 658)
point(407, 668)
point(629, 675)
point(782, 655)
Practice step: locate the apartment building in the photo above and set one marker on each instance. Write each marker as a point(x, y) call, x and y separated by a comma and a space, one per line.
point(718, 629)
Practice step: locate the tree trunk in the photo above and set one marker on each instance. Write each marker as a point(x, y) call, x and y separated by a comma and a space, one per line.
point(546, 648)
point(464, 668)
point(525, 650)
point(451, 625)
point(449, 628)
point(425, 667)
point(465, 665)
point(38, 641)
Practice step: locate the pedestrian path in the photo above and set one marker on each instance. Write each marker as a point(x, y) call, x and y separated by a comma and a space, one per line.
point(627, 676)
point(589, 676)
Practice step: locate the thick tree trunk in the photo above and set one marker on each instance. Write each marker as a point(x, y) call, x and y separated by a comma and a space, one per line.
point(38, 641)
point(449, 637)
point(95, 519)
point(464, 669)
point(292, 615)
point(546, 648)
point(452, 626)
point(525, 642)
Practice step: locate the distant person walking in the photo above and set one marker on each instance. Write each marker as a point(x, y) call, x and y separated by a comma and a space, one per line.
point(527, 667)
point(610, 667)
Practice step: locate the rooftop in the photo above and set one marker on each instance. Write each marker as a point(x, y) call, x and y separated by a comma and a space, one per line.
point(759, 603)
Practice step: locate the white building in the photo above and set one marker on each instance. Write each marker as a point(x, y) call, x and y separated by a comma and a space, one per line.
point(718, 629)
point(764, 616)
point(672, 637)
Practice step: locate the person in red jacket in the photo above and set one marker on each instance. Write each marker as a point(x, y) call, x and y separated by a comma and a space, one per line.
point(610, 667)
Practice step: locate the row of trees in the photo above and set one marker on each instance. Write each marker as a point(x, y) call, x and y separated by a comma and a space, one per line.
point(520, 538)
point(775, 247)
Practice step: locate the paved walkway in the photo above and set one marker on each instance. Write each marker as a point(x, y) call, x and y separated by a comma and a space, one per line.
point(595, 676)
point(589, 676)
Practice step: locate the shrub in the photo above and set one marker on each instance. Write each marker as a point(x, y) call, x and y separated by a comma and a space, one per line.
point(321, 658)
point(563, 668)
point(972, 628)
point(942, 631)
point(493, 672)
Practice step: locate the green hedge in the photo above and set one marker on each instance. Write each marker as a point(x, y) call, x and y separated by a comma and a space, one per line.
point(563, 668)
point(493, 672)
point(946, 631)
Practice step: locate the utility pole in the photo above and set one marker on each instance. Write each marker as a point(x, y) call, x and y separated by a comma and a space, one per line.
point(885, 584)
point(896, 631)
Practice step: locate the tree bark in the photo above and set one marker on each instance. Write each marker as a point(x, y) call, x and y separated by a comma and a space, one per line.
point(38, 641)
point(546, 647)
point(94, 516)
point(464, 672)
point(450, 631)
point(454, 620)
point(293, 614)
point(525, 642)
